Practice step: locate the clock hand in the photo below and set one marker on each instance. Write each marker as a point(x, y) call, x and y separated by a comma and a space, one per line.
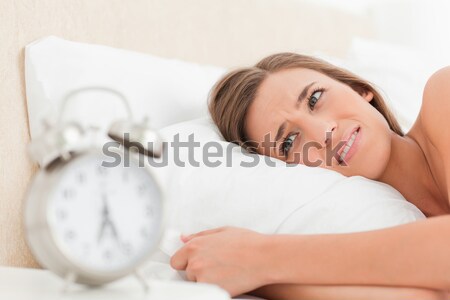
point(101, 232)
point(107, 221)
point(104, 218)
point(105, 211)
point(114, 232)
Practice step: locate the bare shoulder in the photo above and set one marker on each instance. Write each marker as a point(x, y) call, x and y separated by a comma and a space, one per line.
point(435, 112)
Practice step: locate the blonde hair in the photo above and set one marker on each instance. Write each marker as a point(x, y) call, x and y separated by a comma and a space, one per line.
point(231, 97)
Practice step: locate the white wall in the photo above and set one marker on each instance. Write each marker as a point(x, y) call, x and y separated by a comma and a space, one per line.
point(420, 24)
point(424, 25)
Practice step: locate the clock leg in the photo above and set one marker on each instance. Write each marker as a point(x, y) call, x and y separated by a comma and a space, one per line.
point(142, 280)
point(69, 279)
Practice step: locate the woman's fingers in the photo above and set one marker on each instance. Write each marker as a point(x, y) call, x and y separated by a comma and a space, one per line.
point(187, 238)
point(180, 260)
point(226, 256)
point(191, 276)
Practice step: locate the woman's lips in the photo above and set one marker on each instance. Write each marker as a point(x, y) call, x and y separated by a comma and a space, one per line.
point(345, 156)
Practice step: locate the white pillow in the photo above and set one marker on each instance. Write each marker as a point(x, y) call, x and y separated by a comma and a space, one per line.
point(165, 90)
point(268, 197)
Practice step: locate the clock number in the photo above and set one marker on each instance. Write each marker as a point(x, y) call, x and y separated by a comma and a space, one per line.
point(101, 170)
point(127, 249)
point(145, 233)
point(61, 214)
point(149, 212)
point(142, 188)
point(81, 177)
point(70, 235)
point(68, 193)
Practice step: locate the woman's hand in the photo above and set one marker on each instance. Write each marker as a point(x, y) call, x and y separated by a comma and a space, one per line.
point(232, 258)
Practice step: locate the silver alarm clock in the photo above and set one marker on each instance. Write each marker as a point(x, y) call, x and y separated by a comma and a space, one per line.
point(87, 221)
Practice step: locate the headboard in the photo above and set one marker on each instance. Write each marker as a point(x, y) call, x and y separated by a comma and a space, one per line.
point(226, 33)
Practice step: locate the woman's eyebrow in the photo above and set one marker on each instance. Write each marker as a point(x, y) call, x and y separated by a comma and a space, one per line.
point(303, 94)
point(300, 98)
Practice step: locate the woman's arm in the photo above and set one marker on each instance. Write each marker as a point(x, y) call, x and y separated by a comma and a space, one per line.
point(415, 254)
point(315, 292)
point(433, 117)
point(411, 255)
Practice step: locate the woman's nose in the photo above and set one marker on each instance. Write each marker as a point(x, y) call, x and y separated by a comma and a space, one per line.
point(319, 131)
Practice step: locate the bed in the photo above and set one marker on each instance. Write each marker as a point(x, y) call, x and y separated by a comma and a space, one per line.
point(193, 43)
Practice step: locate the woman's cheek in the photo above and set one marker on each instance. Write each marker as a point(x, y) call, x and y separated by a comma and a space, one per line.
point(311, 156)
point(297, 154)
point(314, 160)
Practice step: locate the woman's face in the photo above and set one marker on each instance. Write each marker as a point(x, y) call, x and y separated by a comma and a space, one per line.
point(302, 116)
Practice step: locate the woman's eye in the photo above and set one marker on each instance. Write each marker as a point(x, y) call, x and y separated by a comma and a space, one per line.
point(287, 143)
point(314, 98)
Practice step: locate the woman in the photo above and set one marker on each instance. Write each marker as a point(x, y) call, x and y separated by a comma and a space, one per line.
point(302, 110)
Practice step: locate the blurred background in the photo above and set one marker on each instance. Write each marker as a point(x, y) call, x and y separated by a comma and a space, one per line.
point(422, 25)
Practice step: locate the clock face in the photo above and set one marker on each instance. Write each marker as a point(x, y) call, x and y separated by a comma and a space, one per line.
point(105, 218)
